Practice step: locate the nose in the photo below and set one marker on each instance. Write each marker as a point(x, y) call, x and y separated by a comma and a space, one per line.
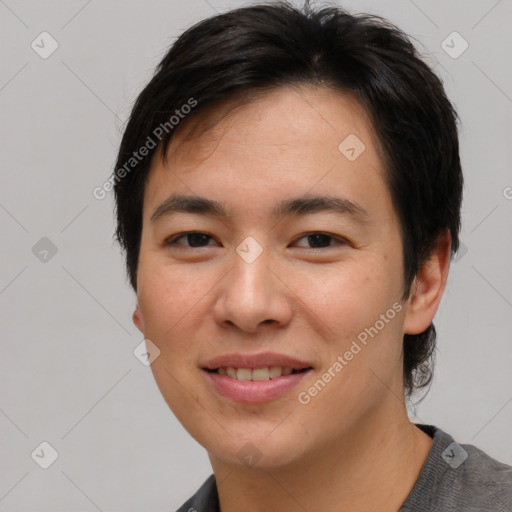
point(253, 295)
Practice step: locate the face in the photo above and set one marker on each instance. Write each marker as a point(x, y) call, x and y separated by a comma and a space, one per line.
point(288, 260)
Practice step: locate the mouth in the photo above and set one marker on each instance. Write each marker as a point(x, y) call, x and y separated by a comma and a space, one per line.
point(257, 374)
point(255, 378)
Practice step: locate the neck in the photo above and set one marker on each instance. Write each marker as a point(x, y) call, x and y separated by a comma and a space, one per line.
point(377, 463)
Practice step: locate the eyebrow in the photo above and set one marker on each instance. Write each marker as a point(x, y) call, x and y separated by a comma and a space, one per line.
point(296, 206)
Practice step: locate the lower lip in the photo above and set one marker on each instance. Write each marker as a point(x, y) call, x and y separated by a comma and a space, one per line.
point(253, 392)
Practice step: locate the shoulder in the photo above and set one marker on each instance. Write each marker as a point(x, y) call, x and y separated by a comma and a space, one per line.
point(204, 500)
point(460, 477)
point(483, 481)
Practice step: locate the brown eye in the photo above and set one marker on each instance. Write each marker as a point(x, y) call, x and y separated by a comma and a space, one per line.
point(193, 239)
point(319, 240)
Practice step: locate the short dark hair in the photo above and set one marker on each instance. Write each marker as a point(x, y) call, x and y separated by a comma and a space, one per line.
point(262, 47)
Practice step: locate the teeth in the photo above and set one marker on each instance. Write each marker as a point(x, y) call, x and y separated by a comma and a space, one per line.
point(257, 374)
point(243, 374)
point(260, 374)
point(274, 371)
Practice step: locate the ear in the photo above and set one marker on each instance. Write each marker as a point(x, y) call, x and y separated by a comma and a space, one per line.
point(427, 288)
point(137, 319)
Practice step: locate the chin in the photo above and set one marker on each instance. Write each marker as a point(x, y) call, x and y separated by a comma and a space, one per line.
point(257, 452)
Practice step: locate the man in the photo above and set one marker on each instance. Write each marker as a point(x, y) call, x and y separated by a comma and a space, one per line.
point(288, 195)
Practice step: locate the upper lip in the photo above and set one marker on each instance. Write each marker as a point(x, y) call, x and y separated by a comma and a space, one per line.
point(252, 361)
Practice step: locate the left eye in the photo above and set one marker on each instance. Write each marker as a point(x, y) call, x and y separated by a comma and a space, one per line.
point(312, 240)
point(318, 240)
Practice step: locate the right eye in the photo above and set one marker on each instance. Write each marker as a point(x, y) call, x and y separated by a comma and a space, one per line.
point(193, 238)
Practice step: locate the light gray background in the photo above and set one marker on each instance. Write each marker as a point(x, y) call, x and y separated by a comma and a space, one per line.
point(68, 373)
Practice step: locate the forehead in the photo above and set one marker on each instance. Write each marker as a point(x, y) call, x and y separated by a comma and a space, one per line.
point(314, 115)
point(290, 140)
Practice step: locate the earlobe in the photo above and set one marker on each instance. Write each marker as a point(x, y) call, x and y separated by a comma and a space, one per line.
point(428, 287)
point(137, 319)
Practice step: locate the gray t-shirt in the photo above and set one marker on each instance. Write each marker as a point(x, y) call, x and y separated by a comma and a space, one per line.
point(454, 477)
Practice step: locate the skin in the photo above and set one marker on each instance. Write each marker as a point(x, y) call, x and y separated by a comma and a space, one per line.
point(352, 446)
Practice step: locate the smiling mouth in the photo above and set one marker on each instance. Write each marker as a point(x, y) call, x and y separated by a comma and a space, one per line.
point(256, 374)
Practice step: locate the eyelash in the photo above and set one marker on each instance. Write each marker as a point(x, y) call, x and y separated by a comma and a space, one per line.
point(172, 240)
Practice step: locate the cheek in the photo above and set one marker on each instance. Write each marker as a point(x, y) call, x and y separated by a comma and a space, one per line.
point(358, 314)
point(360, 351)
point(348, 297)
point(171, 299)
point(170, 304)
